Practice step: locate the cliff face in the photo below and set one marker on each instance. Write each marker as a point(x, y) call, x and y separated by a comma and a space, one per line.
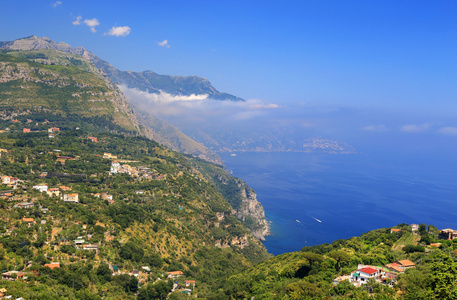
point(252, 213)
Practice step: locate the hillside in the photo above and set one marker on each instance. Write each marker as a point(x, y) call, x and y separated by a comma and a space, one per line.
point(367, 267)
point(99, 203)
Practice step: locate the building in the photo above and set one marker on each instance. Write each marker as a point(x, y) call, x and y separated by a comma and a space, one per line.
point(24, 205)
point(174, 274)
point(53, 129)
point(414, 227)
point(447, 234)
point(93, 139)
point(363, 274)
point(71, 198)
point(53, 265)
point(395, 230)
point(401, 265)
point(13, 275)
point(115, 167)
point(90, 247)
point(53, 192)
point(79, 241)
point(190, 283)
point(25, 130)
point(41, 187)
point(28, 220)
point(64, 188)
point(109, 156)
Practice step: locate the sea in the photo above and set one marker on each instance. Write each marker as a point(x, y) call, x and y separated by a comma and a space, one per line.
point(316, 198)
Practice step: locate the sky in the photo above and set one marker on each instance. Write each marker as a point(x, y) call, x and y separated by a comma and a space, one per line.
point(361, 70)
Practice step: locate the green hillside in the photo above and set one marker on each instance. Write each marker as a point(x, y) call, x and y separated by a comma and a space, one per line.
point(60, 83)
point(157, 211)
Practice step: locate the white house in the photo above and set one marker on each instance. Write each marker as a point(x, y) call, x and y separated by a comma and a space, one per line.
point(363, 274)
point(115, 167)
point(41, 187)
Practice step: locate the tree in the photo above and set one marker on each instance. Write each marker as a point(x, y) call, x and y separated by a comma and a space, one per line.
point(340, 256)
point(104, 273)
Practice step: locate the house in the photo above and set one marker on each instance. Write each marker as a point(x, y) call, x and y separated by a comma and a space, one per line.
point(28, 220)
point(435, 245)
point(91, 247)
point(190, 283)
point(53, 192)
point(64, 188)
point(363, 274)
point(414, 227)
point(401, 265)
point(395, 230)
point(24, 205)
point(447, 234)
point(174, 274)
point(115, 167)
point(79, 241)
point(146, 268)
point(93, 139)
point(13, 275)
point(53, 265)
point(104, 196)
point(8, 180)
point(41, 187)
point(25, 130)
point(139, 192)
point(51, 136)
point(71, 198)
point(53, 129)
point(109, 156)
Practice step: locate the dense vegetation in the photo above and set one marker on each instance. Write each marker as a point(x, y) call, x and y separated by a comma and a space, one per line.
point(163, 217)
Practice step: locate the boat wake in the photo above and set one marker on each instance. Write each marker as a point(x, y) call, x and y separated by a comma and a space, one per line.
point(316, 219)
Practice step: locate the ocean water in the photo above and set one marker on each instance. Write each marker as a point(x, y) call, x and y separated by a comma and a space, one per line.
point(312, 199)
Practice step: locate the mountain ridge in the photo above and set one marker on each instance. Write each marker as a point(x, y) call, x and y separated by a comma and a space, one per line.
point(144, 81)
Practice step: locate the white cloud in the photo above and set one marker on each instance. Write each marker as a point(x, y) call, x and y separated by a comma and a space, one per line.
point(77, 21)
point(413, 128)
point(164, 43)
point(375, 128)
point(92, 23)
point(57, 3)
point(119, 31)
point(197, 106)
point(448, 130)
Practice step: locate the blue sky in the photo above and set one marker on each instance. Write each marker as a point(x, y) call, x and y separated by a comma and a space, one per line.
point(391, 63)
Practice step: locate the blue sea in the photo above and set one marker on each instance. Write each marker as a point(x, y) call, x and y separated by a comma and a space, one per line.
point(312, 199)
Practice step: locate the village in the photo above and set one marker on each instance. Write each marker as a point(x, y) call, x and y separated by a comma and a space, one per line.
point(387, 274)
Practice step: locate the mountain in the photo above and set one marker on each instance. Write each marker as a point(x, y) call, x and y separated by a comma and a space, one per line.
point(48, 53)
point(42, 86)
point(144, 81)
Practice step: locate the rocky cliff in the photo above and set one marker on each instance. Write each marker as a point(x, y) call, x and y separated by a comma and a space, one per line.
point(252, 213)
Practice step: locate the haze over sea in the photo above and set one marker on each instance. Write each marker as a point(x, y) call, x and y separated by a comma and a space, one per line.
point(315, 198)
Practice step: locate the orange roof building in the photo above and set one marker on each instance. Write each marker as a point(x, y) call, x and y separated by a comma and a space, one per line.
point(53, 265)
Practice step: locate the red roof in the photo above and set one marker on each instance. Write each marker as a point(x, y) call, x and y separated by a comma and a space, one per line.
point(368, 270)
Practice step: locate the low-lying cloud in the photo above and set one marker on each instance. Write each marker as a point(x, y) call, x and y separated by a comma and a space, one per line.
point(196, 106)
